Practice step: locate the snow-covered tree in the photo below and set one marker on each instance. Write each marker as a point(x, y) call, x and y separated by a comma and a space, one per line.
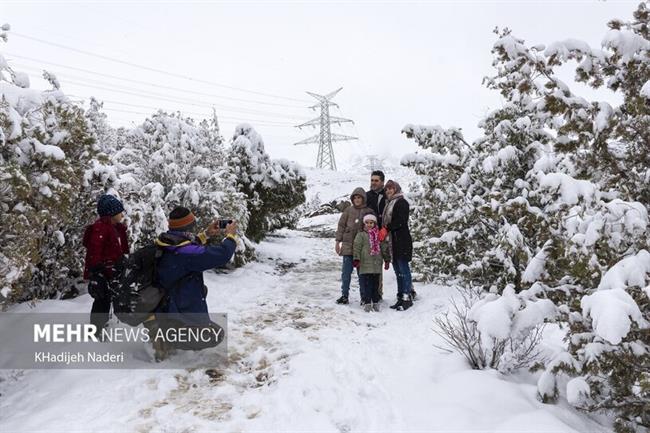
point(553, 198)
point(169, 161)
point(273, 188)
point(479, 197)
point(45, 147)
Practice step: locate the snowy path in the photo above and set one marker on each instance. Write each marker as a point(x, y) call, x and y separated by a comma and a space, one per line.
point(298, 362)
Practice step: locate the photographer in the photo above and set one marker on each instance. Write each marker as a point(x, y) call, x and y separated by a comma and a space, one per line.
point(180, 269)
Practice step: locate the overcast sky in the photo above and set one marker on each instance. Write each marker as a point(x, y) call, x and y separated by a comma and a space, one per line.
point(398, 63)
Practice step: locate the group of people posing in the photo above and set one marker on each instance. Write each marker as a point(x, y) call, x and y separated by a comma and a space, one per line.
point(374, 231)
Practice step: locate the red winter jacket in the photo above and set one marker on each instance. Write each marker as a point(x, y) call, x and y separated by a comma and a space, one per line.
point(105, 244)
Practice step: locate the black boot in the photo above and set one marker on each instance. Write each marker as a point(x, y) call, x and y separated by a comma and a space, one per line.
point(406, 302)
point(343, 300)
point(397, 304)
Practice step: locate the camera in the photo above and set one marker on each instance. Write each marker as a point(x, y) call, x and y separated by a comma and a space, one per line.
point(224, 223)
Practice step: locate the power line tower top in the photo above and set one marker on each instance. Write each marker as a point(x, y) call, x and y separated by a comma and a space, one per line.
point(325, 137)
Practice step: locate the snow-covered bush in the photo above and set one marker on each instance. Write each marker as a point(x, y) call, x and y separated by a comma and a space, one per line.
point(273, 188)
point(479, 197)
point(169, 161)
point(553, 199)
point(56, 159)
point(45, 145)
point(495, 331)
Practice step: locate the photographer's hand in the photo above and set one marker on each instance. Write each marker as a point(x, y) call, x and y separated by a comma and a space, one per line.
point(231, 229)
point(213, 229)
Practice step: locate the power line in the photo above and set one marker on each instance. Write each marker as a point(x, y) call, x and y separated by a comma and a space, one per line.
point(176, 99)
point(192, 112)
point(146, 93)
point(147, 68)
point(162, 86)
point(149, 114)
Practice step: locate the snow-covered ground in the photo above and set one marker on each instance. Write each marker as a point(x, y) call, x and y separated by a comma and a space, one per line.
point(298, 362)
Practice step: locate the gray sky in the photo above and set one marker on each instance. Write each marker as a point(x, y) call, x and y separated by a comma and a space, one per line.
point(398, 63)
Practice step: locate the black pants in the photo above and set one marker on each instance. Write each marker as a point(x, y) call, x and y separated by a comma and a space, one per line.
point(98, 289)
point(369, 288)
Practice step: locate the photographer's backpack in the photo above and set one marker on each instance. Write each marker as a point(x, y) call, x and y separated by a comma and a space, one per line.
point(137, 294)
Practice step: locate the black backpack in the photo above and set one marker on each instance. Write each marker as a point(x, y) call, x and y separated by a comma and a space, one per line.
point(137, 293)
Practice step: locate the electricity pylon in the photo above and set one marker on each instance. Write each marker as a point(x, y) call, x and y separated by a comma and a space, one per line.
point(374, 163)
point(325, 137)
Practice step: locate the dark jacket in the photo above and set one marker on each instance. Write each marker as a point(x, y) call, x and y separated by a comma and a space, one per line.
point(105, 244)
point(400, 235)
point(377, 202)
point(184, 260)
point(351, 223)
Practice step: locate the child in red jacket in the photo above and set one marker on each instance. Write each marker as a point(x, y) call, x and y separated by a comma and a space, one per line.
point(106, 243)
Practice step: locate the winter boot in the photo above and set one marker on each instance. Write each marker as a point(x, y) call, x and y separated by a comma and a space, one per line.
point(367, 307)
point(397, 304)
point(375, 306)
point(161, 348)
point(343, 300)
point(406, 302)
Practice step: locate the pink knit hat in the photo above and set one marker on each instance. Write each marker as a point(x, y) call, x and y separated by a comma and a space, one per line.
point(369, 217)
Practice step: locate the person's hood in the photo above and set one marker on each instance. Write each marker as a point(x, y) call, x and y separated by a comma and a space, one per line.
point(359, 191)
point(174, 239)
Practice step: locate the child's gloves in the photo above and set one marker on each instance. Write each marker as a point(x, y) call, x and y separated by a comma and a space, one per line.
point(386, 265)
point(356, 263)
point(382, 234)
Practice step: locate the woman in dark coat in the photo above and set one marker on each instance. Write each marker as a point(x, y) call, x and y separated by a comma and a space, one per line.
point(395, 220)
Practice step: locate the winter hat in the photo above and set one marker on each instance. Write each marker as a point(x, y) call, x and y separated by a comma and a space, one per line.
point(392, 184)
point(109, 205)
point(369, 217)
point(181, 219)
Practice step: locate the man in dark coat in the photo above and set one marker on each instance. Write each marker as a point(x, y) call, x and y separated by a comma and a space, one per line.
point(396, 218)
point(375, 197)
point(376, 200)
point(106, 243)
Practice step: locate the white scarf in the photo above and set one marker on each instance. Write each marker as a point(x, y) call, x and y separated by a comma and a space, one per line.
point(388, 210)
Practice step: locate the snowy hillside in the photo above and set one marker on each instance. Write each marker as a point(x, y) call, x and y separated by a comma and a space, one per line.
point(298, 361)
point(329, 185)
